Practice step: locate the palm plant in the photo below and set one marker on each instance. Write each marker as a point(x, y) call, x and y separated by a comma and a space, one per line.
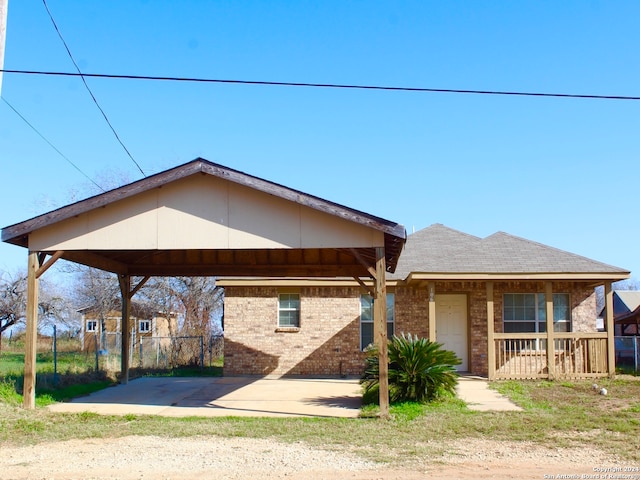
point(419, 370)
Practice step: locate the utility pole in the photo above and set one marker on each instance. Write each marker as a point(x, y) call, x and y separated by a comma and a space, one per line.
point(4, 5)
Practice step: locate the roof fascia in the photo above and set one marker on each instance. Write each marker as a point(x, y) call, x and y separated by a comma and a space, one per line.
point(291, 282)
point(16, 233)
point(519, 276)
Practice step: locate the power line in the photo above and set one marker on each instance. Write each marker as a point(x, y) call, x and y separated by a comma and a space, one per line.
point(88, 89)
point(327, 85)
point(51, 144)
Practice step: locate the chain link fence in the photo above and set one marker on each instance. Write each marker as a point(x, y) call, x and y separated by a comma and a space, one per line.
point(153, 352)
point(628, 353)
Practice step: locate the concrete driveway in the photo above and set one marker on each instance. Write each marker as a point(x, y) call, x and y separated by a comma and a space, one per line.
point(224, 396)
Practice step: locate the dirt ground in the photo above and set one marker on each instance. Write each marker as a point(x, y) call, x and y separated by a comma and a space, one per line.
point(132, 457)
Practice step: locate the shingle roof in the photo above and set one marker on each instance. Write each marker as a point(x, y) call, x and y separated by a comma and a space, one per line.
point(629, 301)
point(440, 249)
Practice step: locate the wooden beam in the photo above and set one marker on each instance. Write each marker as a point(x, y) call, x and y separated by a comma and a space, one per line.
point(551, 347)
point(491, 343)
point(139, 286)
point(125, 293)
point(365, 287)
point(367, 265)
point(380, 331)
point(94, 260)
point(29, 388)
point(46, 265)
point(608, 305)
point(432, 311)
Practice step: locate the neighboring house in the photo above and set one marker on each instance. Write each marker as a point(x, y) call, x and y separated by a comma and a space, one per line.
point(487, 299)
point(103, 331)
point(626, 312)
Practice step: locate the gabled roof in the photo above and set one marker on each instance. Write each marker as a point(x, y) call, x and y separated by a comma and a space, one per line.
point(625, 301)
point(439, 250)
point(177, 260)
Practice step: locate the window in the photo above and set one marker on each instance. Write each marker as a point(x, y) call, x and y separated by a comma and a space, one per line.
point(289, 310)
point(526, 313)
point(144, 326)
point(92, 325)
point(366, 319)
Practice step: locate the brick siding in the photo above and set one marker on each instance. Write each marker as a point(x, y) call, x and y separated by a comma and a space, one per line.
point(327, 343)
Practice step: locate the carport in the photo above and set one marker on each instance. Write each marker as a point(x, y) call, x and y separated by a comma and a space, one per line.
point(204, 219)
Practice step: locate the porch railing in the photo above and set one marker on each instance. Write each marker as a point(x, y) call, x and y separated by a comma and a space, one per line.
point(576, 355)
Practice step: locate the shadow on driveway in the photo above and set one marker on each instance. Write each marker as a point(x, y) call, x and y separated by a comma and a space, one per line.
point(224, 396)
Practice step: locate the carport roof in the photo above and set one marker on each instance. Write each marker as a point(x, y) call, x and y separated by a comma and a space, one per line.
point(278, 262)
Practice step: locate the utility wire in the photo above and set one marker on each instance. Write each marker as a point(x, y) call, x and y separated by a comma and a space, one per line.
point(51, 144)
point(328, 85)
point(88, 89)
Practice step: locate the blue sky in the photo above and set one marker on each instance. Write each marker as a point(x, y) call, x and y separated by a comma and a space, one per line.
point(558, 171)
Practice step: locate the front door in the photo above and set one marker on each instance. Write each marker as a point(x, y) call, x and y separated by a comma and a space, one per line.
point(451, 326)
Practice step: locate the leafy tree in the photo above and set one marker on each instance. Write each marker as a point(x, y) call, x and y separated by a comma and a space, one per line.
point(419, 370)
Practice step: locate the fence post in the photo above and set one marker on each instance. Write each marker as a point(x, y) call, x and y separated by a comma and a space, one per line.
point(95, 343)
point(141, 365)
point(201, 353)
point(55, 356)
point(635, 354)
point(132, 343)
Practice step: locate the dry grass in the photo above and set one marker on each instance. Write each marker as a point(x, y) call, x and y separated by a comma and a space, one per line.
point(557, 414)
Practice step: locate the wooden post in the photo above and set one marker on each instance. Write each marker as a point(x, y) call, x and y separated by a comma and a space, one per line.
point(551, 347)
point(125, 289)
point(608, 305)
point(491, 343)
point(29, 389)
point(380, 330)
point(432, 311)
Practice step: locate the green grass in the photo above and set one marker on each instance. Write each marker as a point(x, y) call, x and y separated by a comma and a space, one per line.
point(556, 414)
point(12, 363)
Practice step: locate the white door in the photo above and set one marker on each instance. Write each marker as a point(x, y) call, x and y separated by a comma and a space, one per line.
point(451, 327)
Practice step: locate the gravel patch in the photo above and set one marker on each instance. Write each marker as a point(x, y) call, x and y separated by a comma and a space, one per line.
point(150, 457)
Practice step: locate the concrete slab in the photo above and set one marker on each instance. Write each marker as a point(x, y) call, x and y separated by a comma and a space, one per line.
point(224, 396)
point(255, 397)
point(476, 393)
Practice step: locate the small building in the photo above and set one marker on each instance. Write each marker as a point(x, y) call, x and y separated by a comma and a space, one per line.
point(103, 330)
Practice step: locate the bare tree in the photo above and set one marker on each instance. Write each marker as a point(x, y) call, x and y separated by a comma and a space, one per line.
point(53, 306)
point(12, 302)
point(96, 289)
point(197, 299)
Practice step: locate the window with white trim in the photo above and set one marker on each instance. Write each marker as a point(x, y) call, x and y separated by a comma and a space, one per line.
point(527, 313)
point(92, 326)
point(289, 310)
point(366, 319)
point(144, 326)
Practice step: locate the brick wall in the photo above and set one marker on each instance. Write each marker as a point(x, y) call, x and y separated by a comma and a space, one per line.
point(328, 340)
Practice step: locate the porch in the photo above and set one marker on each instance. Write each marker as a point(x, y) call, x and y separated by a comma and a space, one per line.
point(551, 354)
point(567, 355)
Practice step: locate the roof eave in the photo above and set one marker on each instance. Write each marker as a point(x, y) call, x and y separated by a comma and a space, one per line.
point(18, 233)
point(486, 276)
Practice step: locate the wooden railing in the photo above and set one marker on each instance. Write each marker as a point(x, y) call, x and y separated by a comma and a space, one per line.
point(524, 355)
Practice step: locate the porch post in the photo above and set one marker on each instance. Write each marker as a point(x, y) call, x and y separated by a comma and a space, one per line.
point(31, 336)
point(551, 348)
point(125, 288)
point(608, 305)
point(432, 311)
point(491, 344)
point(380, 330)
